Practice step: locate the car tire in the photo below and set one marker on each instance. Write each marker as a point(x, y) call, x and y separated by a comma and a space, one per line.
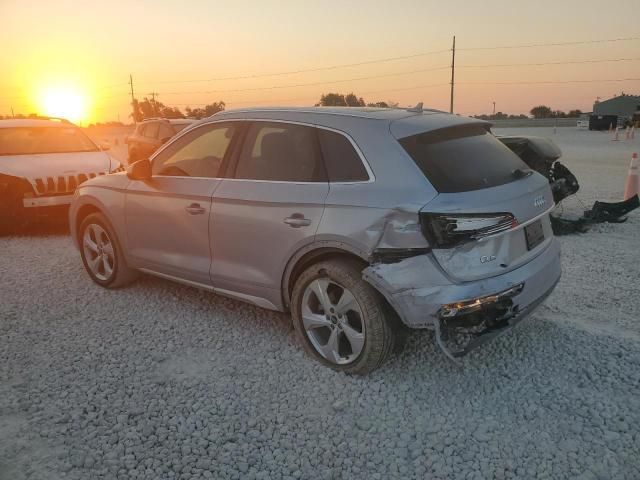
point(356, 334)
point(102, 254)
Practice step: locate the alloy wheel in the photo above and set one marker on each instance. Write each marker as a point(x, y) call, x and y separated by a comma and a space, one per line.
point(98, 252)
point(333, 321)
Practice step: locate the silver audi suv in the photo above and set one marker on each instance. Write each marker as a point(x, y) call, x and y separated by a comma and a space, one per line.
point(363, 223)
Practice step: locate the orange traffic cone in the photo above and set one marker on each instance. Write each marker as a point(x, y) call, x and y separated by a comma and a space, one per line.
point(633, 180)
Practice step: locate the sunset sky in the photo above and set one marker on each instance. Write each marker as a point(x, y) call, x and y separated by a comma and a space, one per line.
point(77, 56)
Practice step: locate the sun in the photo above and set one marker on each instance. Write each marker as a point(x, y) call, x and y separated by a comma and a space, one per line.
point(63, 102)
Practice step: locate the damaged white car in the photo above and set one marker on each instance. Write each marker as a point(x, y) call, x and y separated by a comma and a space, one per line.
point(42, 161)
point(361, 222)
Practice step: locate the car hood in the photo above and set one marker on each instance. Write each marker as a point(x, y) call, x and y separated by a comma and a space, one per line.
point(57, 172)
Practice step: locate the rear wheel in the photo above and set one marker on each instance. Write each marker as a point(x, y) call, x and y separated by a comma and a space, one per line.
point(101, 253)
point(340, 319)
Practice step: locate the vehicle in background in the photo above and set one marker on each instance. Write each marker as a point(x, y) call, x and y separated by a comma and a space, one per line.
point(603, 122)
point(150, 134)
point(583, 121)
point(363, 222)
point(42, 161)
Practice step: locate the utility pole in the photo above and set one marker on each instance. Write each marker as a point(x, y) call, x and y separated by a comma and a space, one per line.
point(494, 108)
point(153, 102)
point(12, 114)
point(133, 100)
point(453, 71)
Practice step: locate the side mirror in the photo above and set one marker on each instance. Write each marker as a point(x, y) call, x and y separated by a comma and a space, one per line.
point(140, 170)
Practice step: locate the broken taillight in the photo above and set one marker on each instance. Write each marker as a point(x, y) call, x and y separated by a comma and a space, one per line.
point(448, 230)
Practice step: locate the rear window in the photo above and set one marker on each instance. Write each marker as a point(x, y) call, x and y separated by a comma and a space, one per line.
point(461, 159)
point(37, 140)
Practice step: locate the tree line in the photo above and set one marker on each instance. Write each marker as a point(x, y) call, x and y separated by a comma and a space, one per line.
point(152, 107)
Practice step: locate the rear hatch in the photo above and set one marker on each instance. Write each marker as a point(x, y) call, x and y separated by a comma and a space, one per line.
point(491, 214)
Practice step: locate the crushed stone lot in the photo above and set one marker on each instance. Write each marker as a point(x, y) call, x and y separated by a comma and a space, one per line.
point(162, 381)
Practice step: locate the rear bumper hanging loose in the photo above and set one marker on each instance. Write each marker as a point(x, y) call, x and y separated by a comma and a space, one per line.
point(459, 333)
point(465, 315)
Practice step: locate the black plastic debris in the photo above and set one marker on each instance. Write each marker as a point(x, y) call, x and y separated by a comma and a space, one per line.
point(542, 156)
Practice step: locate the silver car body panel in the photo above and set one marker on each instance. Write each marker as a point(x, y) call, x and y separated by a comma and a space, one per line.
point(170, 204)
point(253, 252)
point(416, 287)
point(250, 239)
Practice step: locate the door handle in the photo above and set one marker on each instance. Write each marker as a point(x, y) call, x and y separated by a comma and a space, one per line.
point(297, 220)
point(195, 209)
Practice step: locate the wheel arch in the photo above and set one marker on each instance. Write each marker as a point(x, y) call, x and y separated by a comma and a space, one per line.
point(312, 254)
point(85, 205)
point(83, 212)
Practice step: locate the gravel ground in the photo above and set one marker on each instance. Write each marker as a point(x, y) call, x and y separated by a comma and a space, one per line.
point(163, 381)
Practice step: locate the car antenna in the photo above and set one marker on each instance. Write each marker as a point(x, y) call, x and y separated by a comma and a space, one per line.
point(416, 109)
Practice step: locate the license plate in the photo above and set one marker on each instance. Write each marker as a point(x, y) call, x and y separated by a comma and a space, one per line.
point(534, 234)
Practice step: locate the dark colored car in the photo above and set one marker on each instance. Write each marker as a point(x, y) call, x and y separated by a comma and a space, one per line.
point(150, 134)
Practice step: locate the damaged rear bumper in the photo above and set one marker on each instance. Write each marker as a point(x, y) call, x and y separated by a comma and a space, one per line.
point(468, 314)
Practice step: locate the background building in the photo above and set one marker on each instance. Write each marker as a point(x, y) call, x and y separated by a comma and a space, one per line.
point(622, 106)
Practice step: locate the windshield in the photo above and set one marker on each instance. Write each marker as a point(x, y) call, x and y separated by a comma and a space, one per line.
point(461, 159)
point(34, 140)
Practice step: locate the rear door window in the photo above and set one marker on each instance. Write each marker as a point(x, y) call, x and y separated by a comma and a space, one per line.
point(340, 158)
point(280, 152)
point(461, 159)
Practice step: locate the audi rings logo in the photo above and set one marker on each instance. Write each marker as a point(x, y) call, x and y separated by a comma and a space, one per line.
point(539, 201)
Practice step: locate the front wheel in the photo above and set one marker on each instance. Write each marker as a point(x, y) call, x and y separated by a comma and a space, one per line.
point(101, 253)
point(340, 319)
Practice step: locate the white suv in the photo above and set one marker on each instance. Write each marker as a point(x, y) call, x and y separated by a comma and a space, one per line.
point(42, 162)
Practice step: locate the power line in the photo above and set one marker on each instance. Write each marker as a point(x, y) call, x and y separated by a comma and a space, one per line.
point(551, 82)
point(496, 65)
point(571, 62)
point(559, 44)
point(389, 59)
point(302, 99)
point(275, 87)
point(293, 72)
